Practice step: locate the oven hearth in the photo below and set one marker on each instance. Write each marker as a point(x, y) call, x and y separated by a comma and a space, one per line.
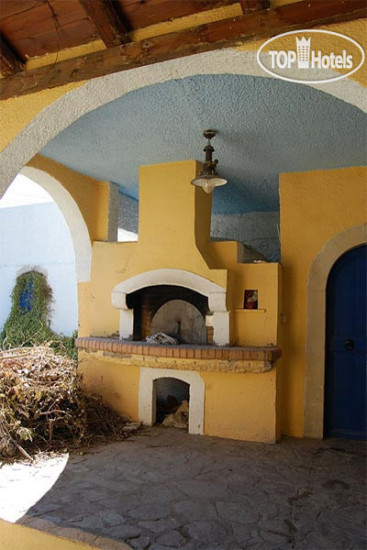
point(173, 310)
point(211, 296)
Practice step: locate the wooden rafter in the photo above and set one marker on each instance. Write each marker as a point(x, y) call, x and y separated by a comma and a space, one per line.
point(108, 22)
point(249, 6)
point(219, 34)
point(10, 62)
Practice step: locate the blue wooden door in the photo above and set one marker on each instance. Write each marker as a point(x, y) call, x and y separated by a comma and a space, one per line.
point(346, 335)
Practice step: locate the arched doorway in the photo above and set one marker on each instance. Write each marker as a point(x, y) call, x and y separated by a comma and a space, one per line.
point(73, 218)
point(35, 238)
point(345, 353)
point(316, 321)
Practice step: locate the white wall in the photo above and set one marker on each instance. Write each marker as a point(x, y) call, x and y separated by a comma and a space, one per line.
point(36, 236)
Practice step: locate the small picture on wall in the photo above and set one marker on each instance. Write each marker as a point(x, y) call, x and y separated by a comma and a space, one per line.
point(251, 299)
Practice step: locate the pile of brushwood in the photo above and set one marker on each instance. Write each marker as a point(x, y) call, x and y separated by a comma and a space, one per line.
point(44, 408)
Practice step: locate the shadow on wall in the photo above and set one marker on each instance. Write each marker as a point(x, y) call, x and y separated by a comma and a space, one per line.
point(258, 230)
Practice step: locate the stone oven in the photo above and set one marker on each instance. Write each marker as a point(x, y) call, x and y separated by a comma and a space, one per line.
point(177, 281)
point(175, 310)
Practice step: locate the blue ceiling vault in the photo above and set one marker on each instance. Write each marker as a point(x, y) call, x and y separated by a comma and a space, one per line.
point(265, 127)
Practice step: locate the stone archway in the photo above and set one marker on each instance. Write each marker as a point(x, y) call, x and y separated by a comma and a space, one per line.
point(73, 217)
point(99, 91)
point(316, 318)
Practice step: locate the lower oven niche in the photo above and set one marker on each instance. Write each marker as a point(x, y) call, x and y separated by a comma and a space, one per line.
point(172, 402)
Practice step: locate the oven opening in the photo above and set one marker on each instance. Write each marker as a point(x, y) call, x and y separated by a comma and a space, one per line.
point(172, 403)
point(176, 311)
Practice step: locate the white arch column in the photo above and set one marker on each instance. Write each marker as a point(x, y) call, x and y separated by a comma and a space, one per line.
point(219, 317)
point(73, 217)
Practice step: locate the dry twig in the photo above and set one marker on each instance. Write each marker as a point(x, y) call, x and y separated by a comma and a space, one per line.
point(43, 406)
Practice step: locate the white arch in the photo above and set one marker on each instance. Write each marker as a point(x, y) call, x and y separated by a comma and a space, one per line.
point(177, 277)
point(316, 318)
point(99, 91)
point(147, 396)
point(73, 217)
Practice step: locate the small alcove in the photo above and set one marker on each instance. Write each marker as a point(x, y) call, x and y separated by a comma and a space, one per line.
point(172, 402)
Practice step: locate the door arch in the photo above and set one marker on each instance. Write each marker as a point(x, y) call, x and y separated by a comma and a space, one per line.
point(345, 352)
point(316, 318)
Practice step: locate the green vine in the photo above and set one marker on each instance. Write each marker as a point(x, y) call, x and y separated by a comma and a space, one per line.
point(28, 323)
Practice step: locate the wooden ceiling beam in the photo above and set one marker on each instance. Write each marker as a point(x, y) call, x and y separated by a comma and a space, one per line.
point(10, 62)
point(106, 17)
point(219, 34)
point(249, 6)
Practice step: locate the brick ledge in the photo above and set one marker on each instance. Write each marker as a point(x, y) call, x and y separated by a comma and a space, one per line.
point(268, 354)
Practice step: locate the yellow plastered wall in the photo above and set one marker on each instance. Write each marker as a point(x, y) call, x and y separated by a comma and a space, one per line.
point(171, 215)
point(117, 383)
point(250, 327)
point(91, 195)
point(93, 199)
point(13, 537)
point(314, 207)
point(174, 217)
point(249, 400)
point(241, 406)
point(84, 309)
point(17, 112)
point(174, 232)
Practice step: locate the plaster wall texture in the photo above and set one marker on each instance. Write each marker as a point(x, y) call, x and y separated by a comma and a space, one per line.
point(128, 213)
point(37, 237)
point(174, 229)
point(259, 230)
point(249, 112)
point(30, 122)
point(315, 207)
point(179, 240)
point(249, 400)
point(94, 198)
point(117, 382)
point(13, 536)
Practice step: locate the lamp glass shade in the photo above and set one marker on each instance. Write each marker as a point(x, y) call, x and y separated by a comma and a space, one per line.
point(208, 183)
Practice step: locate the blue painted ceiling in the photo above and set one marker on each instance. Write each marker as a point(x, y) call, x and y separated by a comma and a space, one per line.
point(265, 127)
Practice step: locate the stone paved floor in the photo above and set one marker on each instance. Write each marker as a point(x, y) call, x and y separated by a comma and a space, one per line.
point(165, 489)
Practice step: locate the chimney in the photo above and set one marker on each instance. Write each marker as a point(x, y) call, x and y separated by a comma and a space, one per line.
point(173, 214)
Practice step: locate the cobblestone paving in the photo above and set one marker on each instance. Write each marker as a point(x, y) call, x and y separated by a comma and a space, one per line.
point(165, 489)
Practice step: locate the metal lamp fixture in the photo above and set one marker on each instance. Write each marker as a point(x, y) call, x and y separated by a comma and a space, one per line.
point(208, 179)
